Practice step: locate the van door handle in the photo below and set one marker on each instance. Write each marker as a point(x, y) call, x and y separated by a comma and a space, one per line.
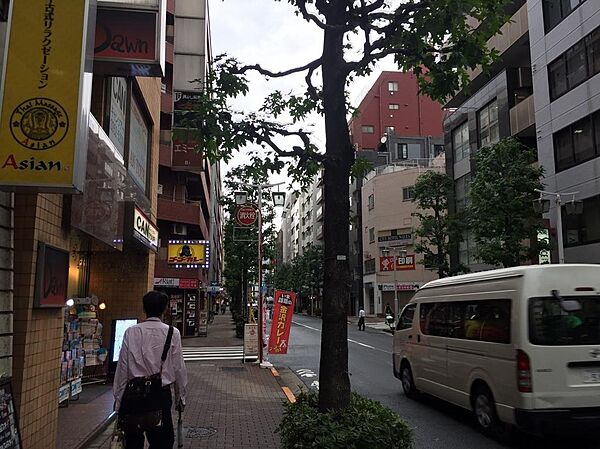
point(410, 337)
point(419, 338)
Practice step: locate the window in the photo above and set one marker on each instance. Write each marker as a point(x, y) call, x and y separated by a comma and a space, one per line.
point(370, 266)
point(577, 143)
point(584, 228)
point(486, 320)
point(578, 64)
point(393, 86)
point(437, 150)
point(371, 201)
point(393, 106)
point(368, 129)
point(408, 193)
point(401, 151)
point(556, 10)
point(462, 186)
point(389, 129)
point(460, 142)
point(551, 325)
point(371, 235)
point(406, 318)
point(487, 124)
point(467, 249)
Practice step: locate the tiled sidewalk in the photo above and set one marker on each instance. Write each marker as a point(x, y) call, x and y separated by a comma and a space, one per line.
point(230, 406)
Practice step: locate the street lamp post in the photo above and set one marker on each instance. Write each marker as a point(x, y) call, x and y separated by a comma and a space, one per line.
point(277, 199)
point(401, 253)
point(573, 207)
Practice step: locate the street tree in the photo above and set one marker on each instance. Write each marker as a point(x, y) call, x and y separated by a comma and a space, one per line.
point(438, 231)
point(430, 38)
point(501, 211)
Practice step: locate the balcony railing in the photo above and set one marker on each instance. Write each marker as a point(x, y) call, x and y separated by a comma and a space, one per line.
point(522, 115)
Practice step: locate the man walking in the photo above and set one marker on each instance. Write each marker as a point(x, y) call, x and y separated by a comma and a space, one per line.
point(141, 355)
point(361, 319)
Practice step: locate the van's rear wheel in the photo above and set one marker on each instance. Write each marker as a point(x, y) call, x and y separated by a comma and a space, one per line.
point(408, 382)
point(484, 408)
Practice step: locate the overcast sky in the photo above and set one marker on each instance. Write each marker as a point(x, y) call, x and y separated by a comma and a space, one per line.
point(269, 33)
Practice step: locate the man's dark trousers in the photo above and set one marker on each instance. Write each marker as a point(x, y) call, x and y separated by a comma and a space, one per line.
point(163, 436)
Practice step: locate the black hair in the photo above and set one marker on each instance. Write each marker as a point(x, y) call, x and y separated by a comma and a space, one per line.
point(155, 303)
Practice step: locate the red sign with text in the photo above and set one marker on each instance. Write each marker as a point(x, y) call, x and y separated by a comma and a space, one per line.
point(402, 263)
point(283, 309)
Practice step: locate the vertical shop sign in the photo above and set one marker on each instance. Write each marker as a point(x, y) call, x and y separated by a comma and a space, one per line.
point(138, 146)
point(250, 340)
point(52, 276)
point(118, 112)
point(282, 322)
point(45, 102)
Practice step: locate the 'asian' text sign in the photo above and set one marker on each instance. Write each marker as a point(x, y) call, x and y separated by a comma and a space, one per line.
point(43, 119)
point(283, 309)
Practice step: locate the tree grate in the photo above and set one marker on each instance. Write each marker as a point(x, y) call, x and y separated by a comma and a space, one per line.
point(197, 432)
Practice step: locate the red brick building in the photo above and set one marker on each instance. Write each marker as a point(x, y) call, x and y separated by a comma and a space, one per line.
point(394, 102)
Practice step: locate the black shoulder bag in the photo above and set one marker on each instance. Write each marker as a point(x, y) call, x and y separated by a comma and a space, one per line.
point(142, 403)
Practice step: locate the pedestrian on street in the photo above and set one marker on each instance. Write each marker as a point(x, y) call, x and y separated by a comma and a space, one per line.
point(361, 319)
point(149, 348)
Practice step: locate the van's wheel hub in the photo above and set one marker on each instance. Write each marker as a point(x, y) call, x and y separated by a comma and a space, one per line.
point(483, 411)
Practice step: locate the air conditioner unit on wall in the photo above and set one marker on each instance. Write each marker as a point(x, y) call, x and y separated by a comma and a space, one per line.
point(179, 229)
point(159, 189)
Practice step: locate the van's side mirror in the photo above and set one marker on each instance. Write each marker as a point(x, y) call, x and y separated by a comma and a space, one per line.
point(568, 305)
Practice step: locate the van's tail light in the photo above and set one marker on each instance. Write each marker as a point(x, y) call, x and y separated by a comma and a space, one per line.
point(524, 373)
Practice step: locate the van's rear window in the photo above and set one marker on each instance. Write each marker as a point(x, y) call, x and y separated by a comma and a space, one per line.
point(551, 325)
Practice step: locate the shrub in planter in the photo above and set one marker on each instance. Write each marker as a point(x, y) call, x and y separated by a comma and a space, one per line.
point(364, 424)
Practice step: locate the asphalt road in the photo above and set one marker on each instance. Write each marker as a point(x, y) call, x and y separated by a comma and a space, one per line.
point(437, 425)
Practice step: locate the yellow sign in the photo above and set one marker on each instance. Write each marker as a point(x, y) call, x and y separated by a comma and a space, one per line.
point(188, 252)
point(43, 119)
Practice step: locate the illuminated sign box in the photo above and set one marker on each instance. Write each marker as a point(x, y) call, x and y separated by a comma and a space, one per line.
point(130, 38)
point(188, 253)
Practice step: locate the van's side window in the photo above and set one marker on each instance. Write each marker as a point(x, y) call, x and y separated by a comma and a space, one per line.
point(435, 319)
point(406, 319)
point(487, 320)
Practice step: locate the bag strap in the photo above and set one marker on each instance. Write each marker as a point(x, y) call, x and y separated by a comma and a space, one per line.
point(166, 348)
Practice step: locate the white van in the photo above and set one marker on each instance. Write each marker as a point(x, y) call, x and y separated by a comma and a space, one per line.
point(518, 346)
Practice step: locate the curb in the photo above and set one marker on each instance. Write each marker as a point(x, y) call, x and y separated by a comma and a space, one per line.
point(290, 383)
point(97, 431)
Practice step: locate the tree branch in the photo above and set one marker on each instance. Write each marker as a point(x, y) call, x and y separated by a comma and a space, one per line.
point(309, 17)
point(256, 67)
point(304, 154)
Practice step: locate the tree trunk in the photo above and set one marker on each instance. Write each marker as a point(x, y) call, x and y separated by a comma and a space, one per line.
point(334, 381)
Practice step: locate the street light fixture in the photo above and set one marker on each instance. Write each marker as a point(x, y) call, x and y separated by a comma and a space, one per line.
point(573, 207)
point(278, 199)
point(241, 198)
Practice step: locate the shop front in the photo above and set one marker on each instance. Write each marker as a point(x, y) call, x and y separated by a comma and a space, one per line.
point(185, 304)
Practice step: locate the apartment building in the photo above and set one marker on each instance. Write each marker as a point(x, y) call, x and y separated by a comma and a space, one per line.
point(394, 123)
point(388, 235)
point(500, 104)
point(565, 55)
point(189, 213)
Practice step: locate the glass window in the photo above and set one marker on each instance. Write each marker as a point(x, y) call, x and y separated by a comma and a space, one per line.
point(406, 318)
point(460, 142)
point(552, 13)
point(371, 235)
point(593, 52)
point(557, 78)
point(487, 121)
point(394, 106)
point(401, 151)
point(368, 129)
point(371, 201)
point(584, 228)
point(563, 149)
point(393, 86)
point(408, 193)
point(482, 320)
point(462, 186)
point(437, 150)
point(576, 65)
point(551, 325)
point(435, 319)
point(583, 140)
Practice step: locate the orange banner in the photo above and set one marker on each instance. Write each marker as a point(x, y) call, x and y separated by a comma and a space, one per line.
point(283, 309)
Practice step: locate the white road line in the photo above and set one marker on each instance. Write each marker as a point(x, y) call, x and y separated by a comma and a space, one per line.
point(351, 341)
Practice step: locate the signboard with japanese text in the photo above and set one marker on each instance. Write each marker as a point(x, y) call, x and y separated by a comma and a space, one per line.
point(45, 102)
point(283, 309)
point(188, 253)
point(401, 286)
point(250, 340)
point(118, 112)
point(402, 263)
point(139, 145)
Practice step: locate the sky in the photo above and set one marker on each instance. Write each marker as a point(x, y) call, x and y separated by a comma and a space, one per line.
point(269, 33)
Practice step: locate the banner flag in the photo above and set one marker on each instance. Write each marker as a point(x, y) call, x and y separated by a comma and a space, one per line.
point(283, 309)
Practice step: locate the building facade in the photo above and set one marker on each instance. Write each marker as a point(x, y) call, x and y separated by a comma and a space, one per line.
point(394, 124)
point(500, 104)
point(388, 237)
point(565, 55)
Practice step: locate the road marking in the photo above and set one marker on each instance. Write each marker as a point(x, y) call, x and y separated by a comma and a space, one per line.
point(304, 372)
point(274, 372)
point(351, 341)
